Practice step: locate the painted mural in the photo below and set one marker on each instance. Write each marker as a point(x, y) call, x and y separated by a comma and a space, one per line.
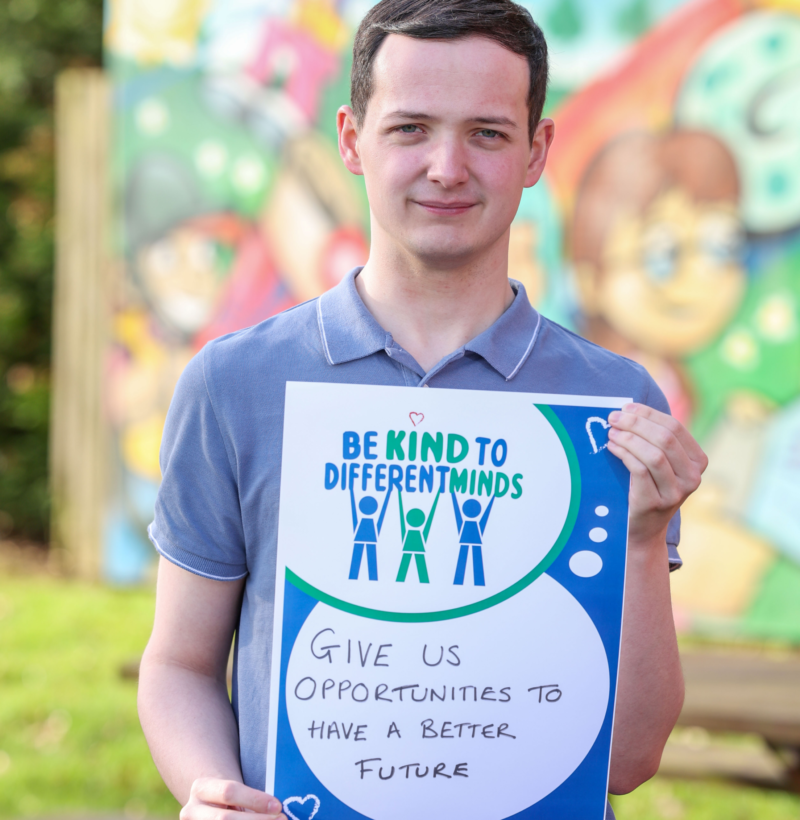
point(667, 228)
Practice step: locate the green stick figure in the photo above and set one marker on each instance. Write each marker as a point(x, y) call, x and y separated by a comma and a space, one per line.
point(414, 540)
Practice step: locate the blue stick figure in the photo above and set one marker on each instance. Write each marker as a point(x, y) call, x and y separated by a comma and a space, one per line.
point(366, 534)
point(470, 534)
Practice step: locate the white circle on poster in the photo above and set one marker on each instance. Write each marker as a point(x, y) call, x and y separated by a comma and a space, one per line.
point(502, 451)
point(482, 696)
point(585, 564)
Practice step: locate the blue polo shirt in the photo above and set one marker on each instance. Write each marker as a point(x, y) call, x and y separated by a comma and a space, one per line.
point(217, 508)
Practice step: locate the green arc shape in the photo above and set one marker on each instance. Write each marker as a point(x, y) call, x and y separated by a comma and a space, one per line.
point(499, 597)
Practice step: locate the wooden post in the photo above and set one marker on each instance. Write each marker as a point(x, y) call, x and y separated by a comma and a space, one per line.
point(79, 433)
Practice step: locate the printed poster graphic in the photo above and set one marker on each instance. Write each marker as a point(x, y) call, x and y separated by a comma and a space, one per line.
point(451, 569)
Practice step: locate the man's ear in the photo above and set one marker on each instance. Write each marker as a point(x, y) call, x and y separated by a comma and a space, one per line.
point(586, 277)
point(348, 140)
point(540, 145)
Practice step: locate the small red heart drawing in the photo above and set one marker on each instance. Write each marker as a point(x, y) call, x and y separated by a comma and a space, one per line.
point(416, 418)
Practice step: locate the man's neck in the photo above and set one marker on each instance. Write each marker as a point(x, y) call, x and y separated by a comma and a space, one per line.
point(432, 312)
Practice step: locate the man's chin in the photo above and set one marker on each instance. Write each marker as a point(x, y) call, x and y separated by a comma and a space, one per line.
point(445, 254)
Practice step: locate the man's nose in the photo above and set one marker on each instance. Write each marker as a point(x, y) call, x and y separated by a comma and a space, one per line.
point(447, 163)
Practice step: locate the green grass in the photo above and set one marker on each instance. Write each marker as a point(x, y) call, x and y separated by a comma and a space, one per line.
point(69, 734)
point(662, 799)
point(70, 741)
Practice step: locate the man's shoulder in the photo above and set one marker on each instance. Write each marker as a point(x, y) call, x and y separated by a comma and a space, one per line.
point(575, 365)
point(290, 337)
point(558, 340)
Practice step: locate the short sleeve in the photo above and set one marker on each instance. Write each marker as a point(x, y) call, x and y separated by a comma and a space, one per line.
point(198, 520)
point(657, 400)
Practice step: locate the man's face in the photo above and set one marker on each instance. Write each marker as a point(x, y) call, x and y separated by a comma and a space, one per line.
point(444, 147)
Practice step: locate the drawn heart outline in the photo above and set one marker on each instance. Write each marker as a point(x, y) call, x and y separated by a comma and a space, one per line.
point(604, 424)
point(301, 801)
point(416, 418)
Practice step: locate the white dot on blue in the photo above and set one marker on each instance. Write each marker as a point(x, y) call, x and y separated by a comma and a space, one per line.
point(585, 564)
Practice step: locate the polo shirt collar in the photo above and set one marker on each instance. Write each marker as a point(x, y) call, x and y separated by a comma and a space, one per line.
point(507, 344)
point(349, 331)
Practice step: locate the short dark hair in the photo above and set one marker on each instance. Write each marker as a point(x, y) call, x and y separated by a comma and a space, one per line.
point(503, 21)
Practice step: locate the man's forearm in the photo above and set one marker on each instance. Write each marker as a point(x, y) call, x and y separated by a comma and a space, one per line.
point(650, 693)
point(189, 725)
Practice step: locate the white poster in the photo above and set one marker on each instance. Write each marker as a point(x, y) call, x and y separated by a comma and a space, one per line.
point(450, 578)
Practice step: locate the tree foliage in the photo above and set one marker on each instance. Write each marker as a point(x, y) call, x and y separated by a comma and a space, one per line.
point(38, 38)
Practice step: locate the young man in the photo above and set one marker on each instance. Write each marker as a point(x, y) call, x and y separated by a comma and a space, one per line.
point(445, 127)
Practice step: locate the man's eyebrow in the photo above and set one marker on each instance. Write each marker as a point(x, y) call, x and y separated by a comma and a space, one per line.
point(495, 121)
point(421, 115)
point(409, 115)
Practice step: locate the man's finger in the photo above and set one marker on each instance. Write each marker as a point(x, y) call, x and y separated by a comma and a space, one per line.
point(628, 426)
point(640, 474)
point(669, 487)
point(231, 793)
point(213, 811)
point(631, 424)
point(672, 425)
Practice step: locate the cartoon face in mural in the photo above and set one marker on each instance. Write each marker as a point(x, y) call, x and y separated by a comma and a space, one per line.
point(180, 273)
point(656, 243)
point(176, 251)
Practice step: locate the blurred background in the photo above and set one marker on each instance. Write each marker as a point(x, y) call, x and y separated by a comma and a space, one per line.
point(169, 173)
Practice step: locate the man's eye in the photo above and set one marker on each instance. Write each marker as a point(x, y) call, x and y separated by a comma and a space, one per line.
point(408, 129)
point(487, 132)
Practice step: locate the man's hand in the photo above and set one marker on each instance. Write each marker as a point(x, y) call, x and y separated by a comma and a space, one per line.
point(211, 797)
point(665, 463)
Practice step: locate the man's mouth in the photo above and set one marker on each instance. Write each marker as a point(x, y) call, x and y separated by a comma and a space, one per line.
point(445, 207)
